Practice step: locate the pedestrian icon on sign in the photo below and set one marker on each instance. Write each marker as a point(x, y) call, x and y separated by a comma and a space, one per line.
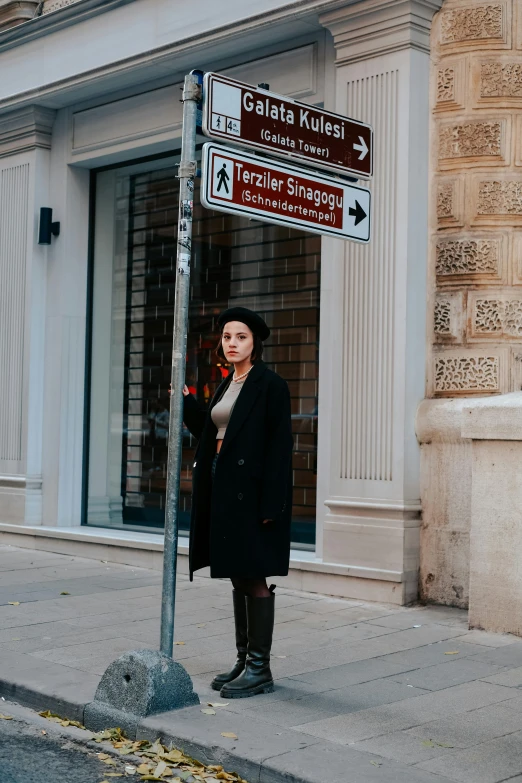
point(223, 178)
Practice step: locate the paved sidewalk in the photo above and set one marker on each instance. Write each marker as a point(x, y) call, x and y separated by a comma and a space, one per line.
point(365, 692)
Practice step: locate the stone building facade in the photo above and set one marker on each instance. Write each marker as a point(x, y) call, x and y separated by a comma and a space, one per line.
point(475, 278)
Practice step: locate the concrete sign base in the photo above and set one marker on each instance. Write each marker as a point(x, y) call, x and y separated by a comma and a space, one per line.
point(138, 684)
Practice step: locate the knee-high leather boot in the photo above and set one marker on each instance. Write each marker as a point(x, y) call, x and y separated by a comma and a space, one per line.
point(240, 619)
point(257, 677)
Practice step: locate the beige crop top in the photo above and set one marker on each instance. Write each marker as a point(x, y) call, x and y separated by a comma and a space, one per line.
point(222, 410)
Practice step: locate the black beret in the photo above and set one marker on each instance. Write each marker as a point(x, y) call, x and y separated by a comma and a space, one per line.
point(245, 316)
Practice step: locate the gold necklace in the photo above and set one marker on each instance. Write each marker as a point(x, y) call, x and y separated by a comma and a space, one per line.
point(241, 376)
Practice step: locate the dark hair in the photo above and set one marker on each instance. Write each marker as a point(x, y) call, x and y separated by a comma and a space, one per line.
point(255, 356)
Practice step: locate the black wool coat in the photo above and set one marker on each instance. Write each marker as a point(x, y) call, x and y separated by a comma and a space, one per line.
point(253, 481)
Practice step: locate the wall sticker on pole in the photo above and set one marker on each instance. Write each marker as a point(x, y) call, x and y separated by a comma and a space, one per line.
point(254, 117)
point(277, 192)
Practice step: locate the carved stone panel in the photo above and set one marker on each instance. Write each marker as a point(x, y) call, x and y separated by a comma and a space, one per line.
point(495, 315)
point(449, 192)
point(442, 316)
point(450, 85)
point(472, 143)
point(469, 257)
point(467, 372)
point(500, 79)
point(497, 200)
point(448, 317)
point(54, 5)
point(477, 26)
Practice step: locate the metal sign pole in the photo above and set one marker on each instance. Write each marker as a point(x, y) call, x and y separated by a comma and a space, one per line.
point(187, 172)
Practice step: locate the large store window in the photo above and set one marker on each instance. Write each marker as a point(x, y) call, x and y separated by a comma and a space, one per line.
point(270, 269)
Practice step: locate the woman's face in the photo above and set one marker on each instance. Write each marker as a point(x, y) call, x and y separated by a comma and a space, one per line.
point(237, 341)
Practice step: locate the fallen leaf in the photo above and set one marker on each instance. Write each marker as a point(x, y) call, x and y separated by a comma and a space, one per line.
point(130, 769)
point(453, 652)
point(109, 762)
point(201, 625)
point(376, 763)
point(160, 769)
point(278, 656)
point(16, 639)
point(208, 712)
point(428, 744)
point(5, 717)
point(229, 734)
point(14, 603)
point(218, 703)
point(417, 626)
point(44, 732)
point(179, 642)
point(174, 755)
point(103, 756)
point(64, 592)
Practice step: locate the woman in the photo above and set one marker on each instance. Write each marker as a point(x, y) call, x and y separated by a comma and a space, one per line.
point(242, 493)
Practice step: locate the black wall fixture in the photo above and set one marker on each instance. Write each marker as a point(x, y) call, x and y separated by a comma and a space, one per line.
point(47, 227)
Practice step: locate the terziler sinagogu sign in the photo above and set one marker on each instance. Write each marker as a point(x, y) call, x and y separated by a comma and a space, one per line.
point(256, 118)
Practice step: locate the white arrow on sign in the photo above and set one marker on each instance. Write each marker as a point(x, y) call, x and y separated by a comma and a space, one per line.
point(362, 148)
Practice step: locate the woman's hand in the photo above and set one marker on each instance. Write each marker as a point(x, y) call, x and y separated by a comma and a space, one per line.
point(185, 390)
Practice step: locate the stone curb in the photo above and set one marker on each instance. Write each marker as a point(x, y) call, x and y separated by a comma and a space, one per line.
point(262, 754)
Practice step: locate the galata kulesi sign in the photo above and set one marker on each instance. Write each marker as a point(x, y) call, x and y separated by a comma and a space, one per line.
point(256, 118)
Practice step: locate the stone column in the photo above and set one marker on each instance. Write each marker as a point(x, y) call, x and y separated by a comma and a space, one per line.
point(494, 428)
point(373, 307)
point(25, 140)
point(475, 269)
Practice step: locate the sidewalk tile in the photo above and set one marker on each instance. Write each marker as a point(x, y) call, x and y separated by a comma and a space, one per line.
point(401, 746)
point(490, 762)
point(406, 714)
point(471, 728)
point(340, 765)
point(445, 675)
point(353, 673)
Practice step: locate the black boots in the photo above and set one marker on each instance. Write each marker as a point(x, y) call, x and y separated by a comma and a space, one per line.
point(256, 677)
point(240, 618)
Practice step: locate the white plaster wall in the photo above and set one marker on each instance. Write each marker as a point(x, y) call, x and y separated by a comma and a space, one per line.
point(132, 30)
point(24, 184)
point(65, 336)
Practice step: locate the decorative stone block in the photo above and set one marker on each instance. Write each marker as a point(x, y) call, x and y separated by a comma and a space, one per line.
point(448, 317)
point(449, 194)
point(495, 315)
point(442, 316)
point(473, 143)
point(500, 79)
point(450, 85)
point(469, 257)
point(459, 372)
point(497, 200)
point(476, 26)
point(54, 5)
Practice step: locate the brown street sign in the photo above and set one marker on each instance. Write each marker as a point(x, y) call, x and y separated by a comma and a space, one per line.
point(281, 192)
point(253, 117)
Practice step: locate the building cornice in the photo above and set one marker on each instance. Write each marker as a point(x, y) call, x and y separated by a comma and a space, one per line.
point(374, 27)
point(26, 129)
point(138, 68)
point(14, 12)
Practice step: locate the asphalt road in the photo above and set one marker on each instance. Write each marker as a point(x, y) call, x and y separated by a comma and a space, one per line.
point(28, 756)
